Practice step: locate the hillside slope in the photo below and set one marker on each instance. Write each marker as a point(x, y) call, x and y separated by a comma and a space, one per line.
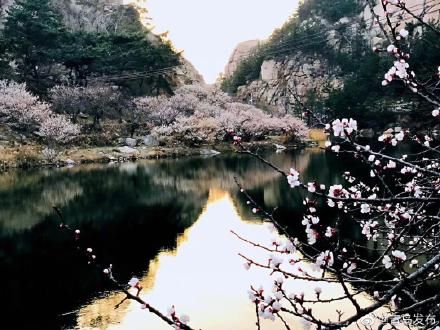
point(48, 43)
point(322, 58)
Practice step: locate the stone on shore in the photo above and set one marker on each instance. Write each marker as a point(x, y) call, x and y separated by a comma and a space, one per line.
point(127, 150)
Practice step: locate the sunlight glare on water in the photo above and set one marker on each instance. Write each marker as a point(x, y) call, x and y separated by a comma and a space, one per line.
point(204, 278)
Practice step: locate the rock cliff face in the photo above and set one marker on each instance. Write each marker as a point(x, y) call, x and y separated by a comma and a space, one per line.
point(187, 74)
point(283, 82)
point(286, 80)
point(240, 52)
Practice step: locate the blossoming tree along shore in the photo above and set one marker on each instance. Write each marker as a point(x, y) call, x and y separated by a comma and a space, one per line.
point(26, 113)
point(395, 204)
point(201, 114)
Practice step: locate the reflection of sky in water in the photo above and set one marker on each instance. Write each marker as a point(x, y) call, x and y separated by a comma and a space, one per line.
point(205, 278)
point(143, 207)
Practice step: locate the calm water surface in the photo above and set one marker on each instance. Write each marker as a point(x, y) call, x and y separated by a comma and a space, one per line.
point(166, 221)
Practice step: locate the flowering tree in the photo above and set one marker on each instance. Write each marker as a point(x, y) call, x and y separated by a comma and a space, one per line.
point(197, 114)
point(98, 101)
point(58, 129)
point(24, 112)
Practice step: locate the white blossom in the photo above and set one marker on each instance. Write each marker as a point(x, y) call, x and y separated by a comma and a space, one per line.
point(318, 290)
point(275, 261)
point(403, 33)
point(391, 164)
point(414, 263)
point(311, 186)
point(134, 282)
point(184, 319)
point(343, 127)
point(386, 261)
point(324, 259)
point(390, 48)
point(329, 232)
point(351, 268)
point(293, 178)
point(399, 255)
point(365, 208)
point(337, 191)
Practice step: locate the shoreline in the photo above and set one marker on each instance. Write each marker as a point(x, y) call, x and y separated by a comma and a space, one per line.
point(30, 156)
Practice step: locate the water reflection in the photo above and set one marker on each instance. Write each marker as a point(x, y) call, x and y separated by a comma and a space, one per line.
point(205, 278)
point(129, 214)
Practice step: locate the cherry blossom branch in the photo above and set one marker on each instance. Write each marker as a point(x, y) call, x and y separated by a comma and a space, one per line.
point(418, 18)
point(257, 316)
point(178, 323)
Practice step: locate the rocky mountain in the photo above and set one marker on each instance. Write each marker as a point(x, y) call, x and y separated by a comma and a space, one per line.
point(316, 58)
point(241, 51)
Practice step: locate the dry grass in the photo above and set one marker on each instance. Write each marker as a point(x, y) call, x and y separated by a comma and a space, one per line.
point(318, 135)
point(12, 154)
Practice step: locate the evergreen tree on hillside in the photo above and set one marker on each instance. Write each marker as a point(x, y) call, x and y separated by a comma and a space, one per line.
point(33, 33)
point(127, 58)
point(44, 52)
point(5, 69)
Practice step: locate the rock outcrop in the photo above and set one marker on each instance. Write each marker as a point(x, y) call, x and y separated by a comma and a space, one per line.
point(187, 74)
point(243, 50)
point(283, 82)
point(287, 79)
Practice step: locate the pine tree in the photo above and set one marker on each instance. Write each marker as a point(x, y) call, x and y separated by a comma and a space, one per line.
point(32, 35)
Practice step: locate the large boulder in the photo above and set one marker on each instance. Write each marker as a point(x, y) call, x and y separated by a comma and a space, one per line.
point(130, 142)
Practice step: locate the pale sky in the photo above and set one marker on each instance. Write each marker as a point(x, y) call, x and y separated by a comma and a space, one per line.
point(208, 30)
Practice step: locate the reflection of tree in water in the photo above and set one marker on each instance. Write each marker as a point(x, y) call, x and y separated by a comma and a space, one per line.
point(25, 202)
point(125, 217)
point(25, 213)
point(218, 172)
point(313, 164)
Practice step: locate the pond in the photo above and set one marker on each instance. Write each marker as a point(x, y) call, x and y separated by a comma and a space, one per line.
point(167, 222)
